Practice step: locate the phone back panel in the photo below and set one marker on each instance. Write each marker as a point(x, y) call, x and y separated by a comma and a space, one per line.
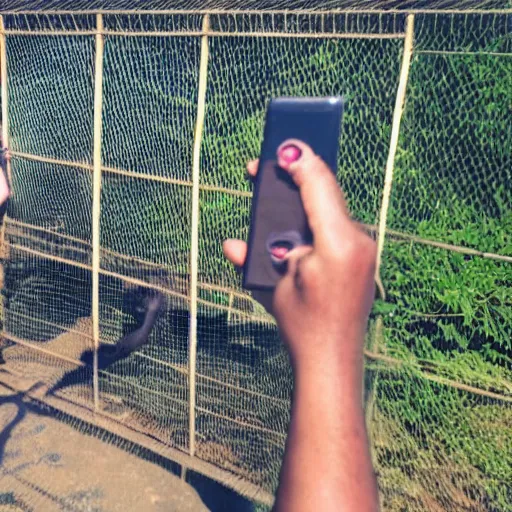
point(277, 212)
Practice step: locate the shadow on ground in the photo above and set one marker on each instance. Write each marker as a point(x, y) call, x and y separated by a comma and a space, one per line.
point(41, 448)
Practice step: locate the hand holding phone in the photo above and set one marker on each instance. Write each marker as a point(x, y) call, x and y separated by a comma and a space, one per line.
point(321, 305)
point(278, 219)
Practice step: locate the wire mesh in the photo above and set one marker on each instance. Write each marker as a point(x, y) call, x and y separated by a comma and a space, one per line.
point(470, 166)
point(439, 384)
point(257, 5)
point(439, 448)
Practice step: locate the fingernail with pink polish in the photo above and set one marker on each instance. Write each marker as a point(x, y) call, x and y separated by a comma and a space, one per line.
point(290, 154)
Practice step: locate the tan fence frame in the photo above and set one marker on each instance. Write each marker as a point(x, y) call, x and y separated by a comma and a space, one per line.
point(100, 417)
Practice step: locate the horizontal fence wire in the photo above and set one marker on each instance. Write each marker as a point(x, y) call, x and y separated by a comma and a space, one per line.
point(138, 282)
point(455, 52)
point(114, 254)
point(420, 366)
point(201, 12)
point(130, 174)
point(272, 24)
point(118, 33)
point(241, 193)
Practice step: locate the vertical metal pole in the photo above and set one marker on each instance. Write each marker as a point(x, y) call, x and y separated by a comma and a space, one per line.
point(393, 144)
point(5, 142)
point(377, 334)
point(194, 251)
point(96, 199)
point(3, 78)
point(230, 306)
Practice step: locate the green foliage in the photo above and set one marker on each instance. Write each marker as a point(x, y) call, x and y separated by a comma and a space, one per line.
point(237, 99)
point(452, 184)
point(438, 448)
point(147, 220)
point(222, 215)
point(454, 161)
point(448, 314)
point(467, 293)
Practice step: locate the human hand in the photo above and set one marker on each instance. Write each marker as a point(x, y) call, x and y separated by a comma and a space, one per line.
point(4, 186)
point(324, 298)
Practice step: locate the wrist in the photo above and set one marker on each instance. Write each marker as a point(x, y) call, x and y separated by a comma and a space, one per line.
point(330, 374)
point(334, 355)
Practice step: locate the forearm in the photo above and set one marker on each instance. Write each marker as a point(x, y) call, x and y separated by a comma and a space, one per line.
point(327, 464)
point(321, 305)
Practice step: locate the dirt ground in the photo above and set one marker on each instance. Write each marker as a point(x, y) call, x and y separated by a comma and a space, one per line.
point(47, 465)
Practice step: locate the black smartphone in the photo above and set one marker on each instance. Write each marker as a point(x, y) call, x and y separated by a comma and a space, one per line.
point(278, 220)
